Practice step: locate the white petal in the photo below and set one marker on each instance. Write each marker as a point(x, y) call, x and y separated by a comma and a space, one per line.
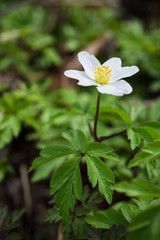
point(113, 63)
point(84, 80)
point(109, 89)
point(123, 73)
point(118, 88)
point(123, 86)
point(89, 63)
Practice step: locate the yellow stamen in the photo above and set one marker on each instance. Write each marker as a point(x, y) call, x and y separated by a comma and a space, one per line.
point(102, 74)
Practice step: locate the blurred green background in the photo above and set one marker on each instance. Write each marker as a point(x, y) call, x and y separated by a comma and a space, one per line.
point(38, 41)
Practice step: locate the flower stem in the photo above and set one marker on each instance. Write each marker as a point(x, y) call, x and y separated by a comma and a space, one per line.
point(94, 131)
point(100, 139)
point(96, 117)
point(91, 130)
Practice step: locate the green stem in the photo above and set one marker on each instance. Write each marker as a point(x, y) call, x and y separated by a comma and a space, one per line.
point(96, 117)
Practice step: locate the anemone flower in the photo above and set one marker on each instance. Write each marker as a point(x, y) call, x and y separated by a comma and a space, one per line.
point(108, 77)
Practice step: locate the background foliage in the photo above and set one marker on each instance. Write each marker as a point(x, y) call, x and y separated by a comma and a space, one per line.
point(40, 112)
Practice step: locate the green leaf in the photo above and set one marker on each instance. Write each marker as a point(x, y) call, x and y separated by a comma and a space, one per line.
point(135, 111)
point(153, 132)
point(17, 215)
point(55, 150)
point(145, 225)
point(149, 130)
point(129, 211)
point(99, 172)
point(150, 166)
point(76, 139)
point(50, 153)
point(138, 188)
point(44, 170)
point(153, 147)
point(64, 199)
point(10, 126)
point(141, 157)
point(52, 56)
point(143, 203)
point(77, 184)
point(13, 236)
point(5, 137)
point(148, 154)
point(113, 157)
point(106, 218)
point(51, 216)
point(144, 134)
point(133, 137)
point(16, 126)
point(62, 174)
point(98, 149)
point(67, 180)
point(117, 111)
point(3, 213)
point(155, 125)
point(11, 122)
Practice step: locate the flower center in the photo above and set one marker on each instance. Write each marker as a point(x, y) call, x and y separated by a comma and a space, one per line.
point(102, 74)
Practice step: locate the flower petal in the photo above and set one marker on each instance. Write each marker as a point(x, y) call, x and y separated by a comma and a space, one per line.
point(113, 63)
point(84, 80)
point(123, 86)
point(118, 88)
point(123, 73)
point(89, 63)
point(110, 89)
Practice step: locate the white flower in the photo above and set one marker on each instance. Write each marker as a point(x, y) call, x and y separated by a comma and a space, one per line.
point(107, 77)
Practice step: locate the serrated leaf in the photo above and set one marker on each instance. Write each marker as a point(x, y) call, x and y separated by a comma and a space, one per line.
point(5, 137)
point(133, 137)
point(11, 122)
point(113, 157)
point(106, 218)
point(16, 126)
point(92, 171)
point(142, 203)
point(51, 216)
point(64, 200)
point(98, 149)
point(55, 150)
point(148, 154)
point(9, 127)
point(99, 172)
point(65, 179)
point(149, 130)
point(155, 125)
point(76, 139)
point(145, 225)
point(50, 153)
point(44, 170)
point(141, 157)
point(153, 147)
point(138, 188)
point(144, 134)
point(153, 132)
point(17, 215)
point(62, 174)
point(150, 167)
point(77, 185)
point(129, 211)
